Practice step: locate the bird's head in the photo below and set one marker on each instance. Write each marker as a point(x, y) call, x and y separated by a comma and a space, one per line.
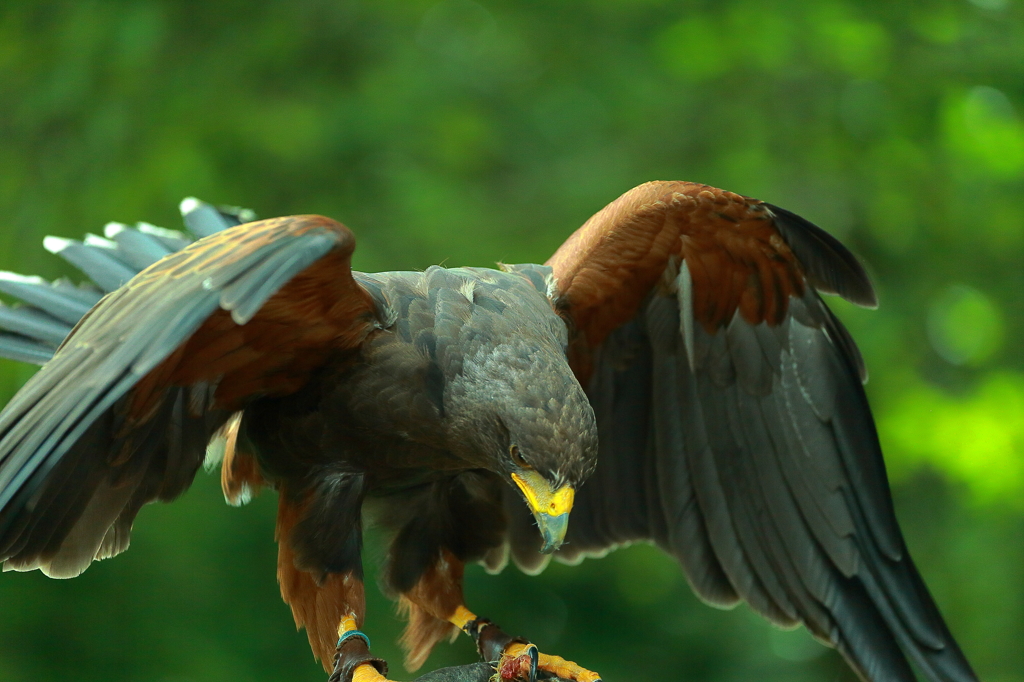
point(518, 410)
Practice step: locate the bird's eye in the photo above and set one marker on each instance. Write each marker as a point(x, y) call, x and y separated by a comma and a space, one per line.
point(517, 456)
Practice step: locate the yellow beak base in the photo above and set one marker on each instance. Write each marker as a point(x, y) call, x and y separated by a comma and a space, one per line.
point(550, 507)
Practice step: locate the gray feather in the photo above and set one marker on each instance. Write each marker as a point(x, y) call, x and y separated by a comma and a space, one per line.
point(203, 219)
point(172, 239)
point(66, 414)
point(771, 484)
point(34, 324)
point(138, 249)
point(747, 357)
point(246, 295)
point(830, 267)
point(102, 268)
point(21, 349)
point(60, 299)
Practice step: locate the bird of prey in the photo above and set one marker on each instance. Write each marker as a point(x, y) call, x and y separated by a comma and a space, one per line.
point(671, 375)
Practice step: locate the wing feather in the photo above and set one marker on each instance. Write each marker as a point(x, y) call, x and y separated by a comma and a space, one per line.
point(122, 413)
point(138, 249)
point(61, 299)
point(753, 436)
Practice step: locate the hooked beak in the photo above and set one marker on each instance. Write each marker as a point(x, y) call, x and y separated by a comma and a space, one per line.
point(550, 507)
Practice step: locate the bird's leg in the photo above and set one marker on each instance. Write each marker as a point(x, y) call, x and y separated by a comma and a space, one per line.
point(438, 597)
point(352, 659)
point(330, 605)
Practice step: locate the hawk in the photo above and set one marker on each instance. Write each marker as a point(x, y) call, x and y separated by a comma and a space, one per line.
point(671, 374)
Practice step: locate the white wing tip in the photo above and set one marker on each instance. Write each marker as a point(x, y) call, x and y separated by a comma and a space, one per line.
point(214, 453)
point(111, 230)
point(149, 228)
point(189, 204)
point(239, 318)
point(20, 279)
point(56, 244)
point(101, 242)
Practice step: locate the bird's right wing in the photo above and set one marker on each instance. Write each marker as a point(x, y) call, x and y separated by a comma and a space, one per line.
point(48, 311)
point(122, 413)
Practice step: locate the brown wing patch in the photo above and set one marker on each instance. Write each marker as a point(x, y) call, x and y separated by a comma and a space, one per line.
point(736, 256)
point(319, 311)
point(737, 259)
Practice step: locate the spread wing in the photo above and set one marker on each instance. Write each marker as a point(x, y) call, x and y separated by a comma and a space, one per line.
point(32, 331)
point(122, 413)
point(734, 429)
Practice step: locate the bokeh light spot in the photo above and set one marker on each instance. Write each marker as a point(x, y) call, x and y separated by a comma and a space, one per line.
point(964, 326)
point(977, 439)
point(983, 127)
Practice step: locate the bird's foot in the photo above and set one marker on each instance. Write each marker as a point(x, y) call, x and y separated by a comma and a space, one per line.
point(353, 662)
point(521, 661)
point(368, 673)
point(517, 660)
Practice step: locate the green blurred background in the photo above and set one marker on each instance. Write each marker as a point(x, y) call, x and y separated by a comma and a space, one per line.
point(464, 132)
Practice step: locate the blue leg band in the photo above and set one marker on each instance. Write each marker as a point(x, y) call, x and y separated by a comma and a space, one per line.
point(354, 633)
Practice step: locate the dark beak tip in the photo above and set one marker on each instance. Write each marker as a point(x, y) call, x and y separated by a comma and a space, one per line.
point(552, 530)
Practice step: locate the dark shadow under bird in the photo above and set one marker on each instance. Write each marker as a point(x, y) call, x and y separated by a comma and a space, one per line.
point(670, 375)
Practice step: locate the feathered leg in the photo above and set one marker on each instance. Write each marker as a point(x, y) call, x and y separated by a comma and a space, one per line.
point(331, 606)
point(437, 610)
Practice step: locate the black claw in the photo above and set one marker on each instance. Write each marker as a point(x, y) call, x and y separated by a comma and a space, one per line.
point(534, 662)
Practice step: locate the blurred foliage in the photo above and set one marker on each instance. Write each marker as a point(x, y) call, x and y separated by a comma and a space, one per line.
point(466, 132)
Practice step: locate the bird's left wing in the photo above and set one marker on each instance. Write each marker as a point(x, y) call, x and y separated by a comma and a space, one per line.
point(122, 413)
point(734, 430)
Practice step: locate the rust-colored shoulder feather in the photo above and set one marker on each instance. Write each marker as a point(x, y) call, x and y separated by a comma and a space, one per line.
point(737, 252)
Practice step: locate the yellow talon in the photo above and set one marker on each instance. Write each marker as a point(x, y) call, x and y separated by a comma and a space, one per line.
point(515, 650)
point(554, 665)
point(567, 670)
point(367, 673)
